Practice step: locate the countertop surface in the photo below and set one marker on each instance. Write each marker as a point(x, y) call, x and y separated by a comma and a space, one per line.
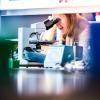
point(48, 84)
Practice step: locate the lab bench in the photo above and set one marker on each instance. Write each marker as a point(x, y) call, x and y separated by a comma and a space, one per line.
point(48, 84)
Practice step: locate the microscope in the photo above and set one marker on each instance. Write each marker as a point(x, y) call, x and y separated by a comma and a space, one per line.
point(30, 37)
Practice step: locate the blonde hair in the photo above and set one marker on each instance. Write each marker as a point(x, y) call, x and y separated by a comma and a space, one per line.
point(73, 29)
point(71, 25)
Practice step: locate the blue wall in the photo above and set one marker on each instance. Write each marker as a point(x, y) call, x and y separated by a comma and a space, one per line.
point(10, 24)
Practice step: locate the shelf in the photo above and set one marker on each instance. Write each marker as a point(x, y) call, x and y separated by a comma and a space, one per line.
point(31, 7)
point(39, 11)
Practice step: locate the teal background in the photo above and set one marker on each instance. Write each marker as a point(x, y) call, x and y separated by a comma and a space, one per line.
point(9, 24)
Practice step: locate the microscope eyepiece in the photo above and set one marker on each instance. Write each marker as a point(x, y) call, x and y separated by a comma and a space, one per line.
point(56, 20)
point(49, 23)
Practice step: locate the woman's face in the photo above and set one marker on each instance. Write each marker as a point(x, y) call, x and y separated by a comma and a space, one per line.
point(63, 22)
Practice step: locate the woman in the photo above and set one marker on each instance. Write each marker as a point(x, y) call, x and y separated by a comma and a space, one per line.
point(71, 26)
point(73, 29)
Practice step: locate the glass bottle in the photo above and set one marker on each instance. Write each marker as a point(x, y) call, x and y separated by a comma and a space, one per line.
point(10, 61)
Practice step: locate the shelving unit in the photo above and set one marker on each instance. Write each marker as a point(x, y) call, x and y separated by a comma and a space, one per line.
point(34, 7)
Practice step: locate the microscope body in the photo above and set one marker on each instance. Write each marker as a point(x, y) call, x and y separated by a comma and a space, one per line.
point(24, 39)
